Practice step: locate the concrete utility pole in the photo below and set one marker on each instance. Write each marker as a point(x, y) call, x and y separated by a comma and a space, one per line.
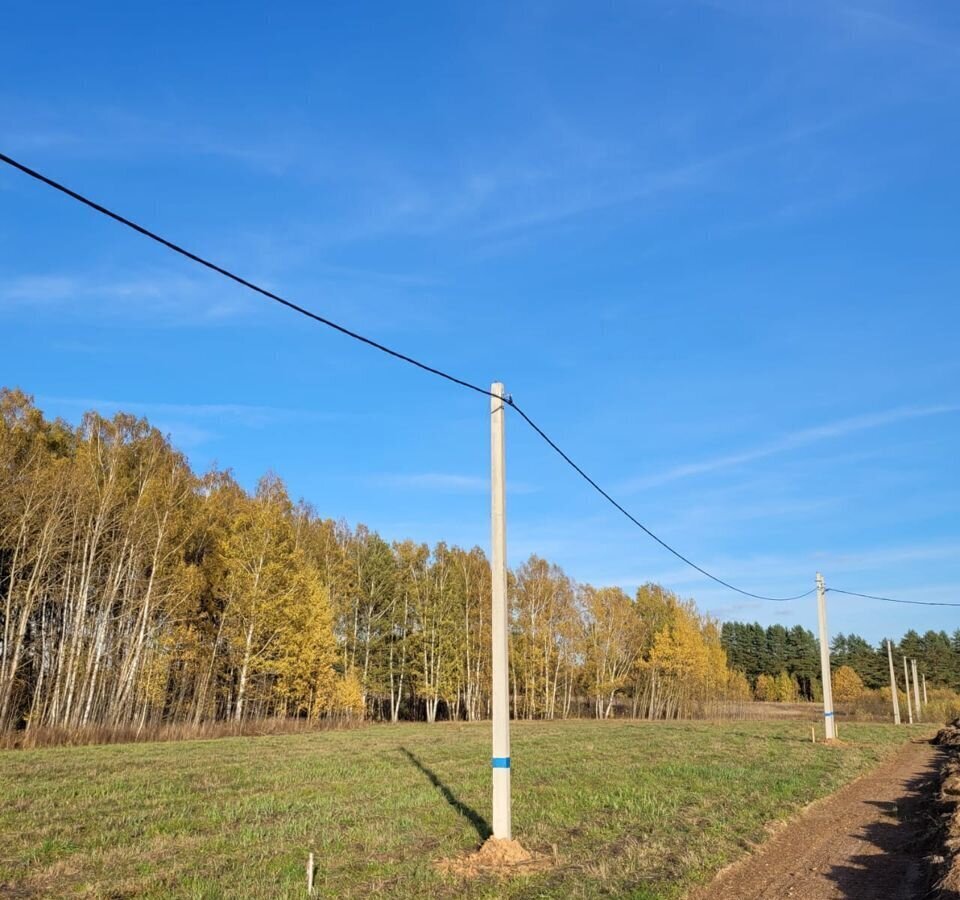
point(916, 689)
point(924, 677)
point(893, 686)
point(906, 683)
point(829, 726)
point(498, 566)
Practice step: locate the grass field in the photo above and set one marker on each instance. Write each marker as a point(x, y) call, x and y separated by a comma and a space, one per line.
point(633, 809)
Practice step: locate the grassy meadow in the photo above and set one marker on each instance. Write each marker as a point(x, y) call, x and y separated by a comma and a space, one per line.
point(635, 809)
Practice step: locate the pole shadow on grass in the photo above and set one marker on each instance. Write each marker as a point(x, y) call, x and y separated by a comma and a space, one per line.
point(468, 812)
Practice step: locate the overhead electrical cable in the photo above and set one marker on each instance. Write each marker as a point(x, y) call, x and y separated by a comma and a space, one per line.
point(639, 524)
point(220, 270)
point(270, 295)
point(890, 599)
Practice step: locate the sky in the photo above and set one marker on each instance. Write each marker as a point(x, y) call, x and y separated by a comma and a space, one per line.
point(710, 247)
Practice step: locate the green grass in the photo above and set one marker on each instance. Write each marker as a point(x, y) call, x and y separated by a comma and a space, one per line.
point(633, 809)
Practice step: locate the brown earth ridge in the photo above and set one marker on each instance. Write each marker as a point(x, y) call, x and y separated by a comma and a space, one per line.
point(868, 841)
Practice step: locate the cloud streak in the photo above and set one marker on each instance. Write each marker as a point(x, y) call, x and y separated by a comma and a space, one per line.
point(555, 175)
point(445, 482)
point(245, 415)
point(435, 481)
point(797, 439)
point(162, 297)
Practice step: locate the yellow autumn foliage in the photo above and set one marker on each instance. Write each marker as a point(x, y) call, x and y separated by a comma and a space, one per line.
point(688, 663)
point(847, 685)
point(347, 699)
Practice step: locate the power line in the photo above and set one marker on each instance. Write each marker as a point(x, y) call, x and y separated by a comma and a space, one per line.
point(270, 295)
point(891, 599)
point(176, 248)
point(639, 524)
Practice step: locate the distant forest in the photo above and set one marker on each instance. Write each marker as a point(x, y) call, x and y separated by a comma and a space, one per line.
point(771, 651)
point(136, 593)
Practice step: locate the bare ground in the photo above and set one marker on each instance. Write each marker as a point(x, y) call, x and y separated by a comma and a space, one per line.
point(865, 842)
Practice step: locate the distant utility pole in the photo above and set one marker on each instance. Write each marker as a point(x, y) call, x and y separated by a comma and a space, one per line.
point(498, 566)
point(893, 686)
point(924, 677)
point(916, 689)
point(906, 682)
point(829, 726)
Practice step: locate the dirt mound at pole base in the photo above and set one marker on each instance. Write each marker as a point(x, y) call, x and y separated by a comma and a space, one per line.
point(497, 857)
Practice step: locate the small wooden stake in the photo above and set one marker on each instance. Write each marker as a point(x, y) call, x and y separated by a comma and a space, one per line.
point(813, 734)
point(310, 875)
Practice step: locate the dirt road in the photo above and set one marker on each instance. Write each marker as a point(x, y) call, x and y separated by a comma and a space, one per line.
point(862, 843)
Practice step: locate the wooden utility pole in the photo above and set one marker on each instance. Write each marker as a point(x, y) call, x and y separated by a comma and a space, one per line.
point(498, 565)
point(916, 689)
point(829, 726)
point(893, 686)
point(906, 684)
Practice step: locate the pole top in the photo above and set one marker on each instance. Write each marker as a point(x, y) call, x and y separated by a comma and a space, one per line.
point(820, 581)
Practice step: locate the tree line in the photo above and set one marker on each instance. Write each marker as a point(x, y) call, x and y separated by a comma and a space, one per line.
point(784, 664)
point(134, 591)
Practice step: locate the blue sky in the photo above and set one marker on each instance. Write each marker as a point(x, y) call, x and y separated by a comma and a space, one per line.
point(711, 247)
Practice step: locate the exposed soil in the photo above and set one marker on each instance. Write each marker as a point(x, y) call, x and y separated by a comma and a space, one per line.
point(948, 739)
point(497, 857)
point(867, 841)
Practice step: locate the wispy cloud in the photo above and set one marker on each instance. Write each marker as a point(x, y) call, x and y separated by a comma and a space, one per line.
point(444, 482)
point(33, 290)
point(160, 297)
point(555, 173)
point(185, 435)
point(793, 441)
point(736, 610)
point(744, 509)
point(189, 425)
point(518, 197)
point(894, 555)
point(875, 25)
point(435, 481)
point(242, 414)
point(777, 573)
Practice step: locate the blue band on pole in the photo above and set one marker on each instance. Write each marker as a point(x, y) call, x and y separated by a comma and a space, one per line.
point(828, 714)
point(501, 762)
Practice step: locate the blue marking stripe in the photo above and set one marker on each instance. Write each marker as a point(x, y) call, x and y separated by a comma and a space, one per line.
point(501, 762)
point(827, 714)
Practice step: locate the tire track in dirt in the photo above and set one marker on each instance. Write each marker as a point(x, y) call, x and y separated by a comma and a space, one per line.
point(864, 842)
